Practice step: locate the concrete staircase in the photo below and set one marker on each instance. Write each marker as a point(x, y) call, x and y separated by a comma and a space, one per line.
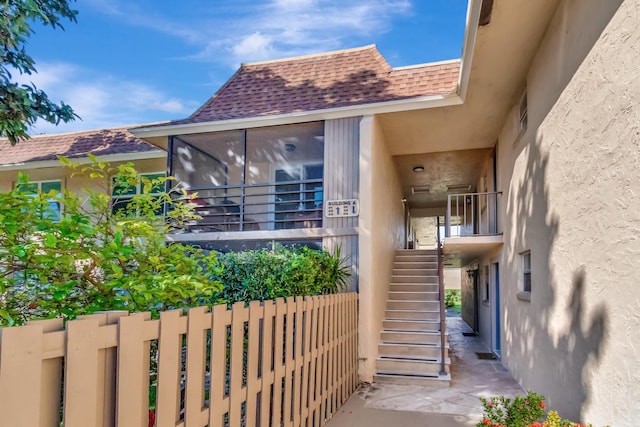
point(409, 351)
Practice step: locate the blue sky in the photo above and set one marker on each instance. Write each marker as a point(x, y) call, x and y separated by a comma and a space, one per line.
point(138, 61)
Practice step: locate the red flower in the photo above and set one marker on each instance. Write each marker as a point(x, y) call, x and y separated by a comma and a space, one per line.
point(542, 405)
point(486, 422)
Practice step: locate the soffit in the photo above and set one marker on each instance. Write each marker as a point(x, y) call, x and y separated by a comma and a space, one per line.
point(502, 56)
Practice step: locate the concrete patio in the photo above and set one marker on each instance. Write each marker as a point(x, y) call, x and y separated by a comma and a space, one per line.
point(379, 405)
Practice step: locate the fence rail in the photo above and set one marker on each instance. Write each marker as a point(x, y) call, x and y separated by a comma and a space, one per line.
point(290, 362)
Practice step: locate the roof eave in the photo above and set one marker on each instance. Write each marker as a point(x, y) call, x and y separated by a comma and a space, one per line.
point(303, 116)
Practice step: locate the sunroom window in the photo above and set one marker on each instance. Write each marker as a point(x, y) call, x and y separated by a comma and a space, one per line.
point(255, 179)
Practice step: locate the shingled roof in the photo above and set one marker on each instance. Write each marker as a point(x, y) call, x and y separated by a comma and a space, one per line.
point(99, 142)
point(329, 80)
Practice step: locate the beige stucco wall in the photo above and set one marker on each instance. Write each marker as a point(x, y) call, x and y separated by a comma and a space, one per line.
point(74, 183)
point(380, 234)
point(452, 278)
point(571, 188)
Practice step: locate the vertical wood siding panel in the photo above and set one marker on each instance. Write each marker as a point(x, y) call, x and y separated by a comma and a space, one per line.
point(341, 165)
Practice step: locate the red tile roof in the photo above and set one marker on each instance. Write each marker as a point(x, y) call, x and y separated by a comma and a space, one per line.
point(328, 80)
point(100, 142)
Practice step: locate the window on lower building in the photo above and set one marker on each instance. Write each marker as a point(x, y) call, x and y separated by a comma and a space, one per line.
point(526, 271)
point(53, 187)
point(523, 117)
point(122, 195)
point(485, 278)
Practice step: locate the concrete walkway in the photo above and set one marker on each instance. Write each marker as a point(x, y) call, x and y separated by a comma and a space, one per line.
point(457, 405)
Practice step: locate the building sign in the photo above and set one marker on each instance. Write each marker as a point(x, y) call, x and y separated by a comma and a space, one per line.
point(341, 208)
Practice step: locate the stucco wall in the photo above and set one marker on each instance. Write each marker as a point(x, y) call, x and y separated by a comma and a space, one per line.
point(75, 183)
point(452, 278)
point(381, 233)
point(571, 184)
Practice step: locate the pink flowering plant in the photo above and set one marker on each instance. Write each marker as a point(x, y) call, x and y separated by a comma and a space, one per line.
point(527, 411)
point(517, 412)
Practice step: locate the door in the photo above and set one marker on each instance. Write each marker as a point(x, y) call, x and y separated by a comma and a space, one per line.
point(496, 305)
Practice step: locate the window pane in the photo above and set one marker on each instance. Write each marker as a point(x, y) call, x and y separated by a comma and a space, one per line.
point(526, 262)
point(123, 189)
point(209, 159)
point(287, 146)
point(527, 282)
point(157, 187)
point(31, 187)
point(53, 185)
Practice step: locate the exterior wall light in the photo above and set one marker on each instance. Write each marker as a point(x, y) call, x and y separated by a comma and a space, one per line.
point(418, 168)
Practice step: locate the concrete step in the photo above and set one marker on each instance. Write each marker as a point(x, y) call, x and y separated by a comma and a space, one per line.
point(407, 366)
point(411, 325)
point(419, 380)
point(411, 350)
point(401, 265)
point(412, 314)
point(413, 287)
point(414, 296)
point(411, 337)
point(416, 252)
point(415, 272)
point(426, 259)
point(414, 279)
point(413, 305)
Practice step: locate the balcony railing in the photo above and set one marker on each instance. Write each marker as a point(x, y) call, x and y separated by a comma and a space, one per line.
point(270, 206)
point(472, 214)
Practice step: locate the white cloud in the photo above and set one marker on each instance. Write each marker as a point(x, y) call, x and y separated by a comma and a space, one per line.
point(235, 32)
point(257, 46)
point(102, 100)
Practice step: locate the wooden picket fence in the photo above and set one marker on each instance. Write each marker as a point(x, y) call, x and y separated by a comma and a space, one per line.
point(290, 362)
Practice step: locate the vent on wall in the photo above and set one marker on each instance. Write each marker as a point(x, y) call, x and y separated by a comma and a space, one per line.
point(459, 188)
point(420, 189)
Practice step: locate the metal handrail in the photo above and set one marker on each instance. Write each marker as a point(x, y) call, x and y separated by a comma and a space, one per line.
point(442, 302)
point(477, 211)
point(253, 206)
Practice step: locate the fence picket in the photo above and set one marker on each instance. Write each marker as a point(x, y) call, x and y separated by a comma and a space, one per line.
point(306, 360)
point(132, 401)
point(289, 362)
point(219, 402)
point(278, 365)
point(268, 361)
point(51, 383)
point(197, 324)
point(168, 403)
point(82, 379)
point(237, 393)
point(320, 372)
point(286, 363)
point(256, 312)
point(20, 375)
point(298, 358)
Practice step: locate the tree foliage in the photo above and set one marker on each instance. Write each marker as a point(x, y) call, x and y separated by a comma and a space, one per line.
point(22, 105)
point(89, 258)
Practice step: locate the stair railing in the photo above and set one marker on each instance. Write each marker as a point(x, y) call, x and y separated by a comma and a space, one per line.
point(442, 302)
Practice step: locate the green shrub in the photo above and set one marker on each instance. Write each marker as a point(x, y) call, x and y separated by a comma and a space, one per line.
point(264, 274)
point(89, 258)
point(452, 297)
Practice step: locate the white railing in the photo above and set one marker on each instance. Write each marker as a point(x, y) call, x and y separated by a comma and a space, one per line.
point(472, 214)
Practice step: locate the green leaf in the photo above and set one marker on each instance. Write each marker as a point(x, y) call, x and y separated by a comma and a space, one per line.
point(50, 241)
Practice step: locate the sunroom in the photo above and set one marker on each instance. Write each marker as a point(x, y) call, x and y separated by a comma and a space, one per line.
point(269, 178)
